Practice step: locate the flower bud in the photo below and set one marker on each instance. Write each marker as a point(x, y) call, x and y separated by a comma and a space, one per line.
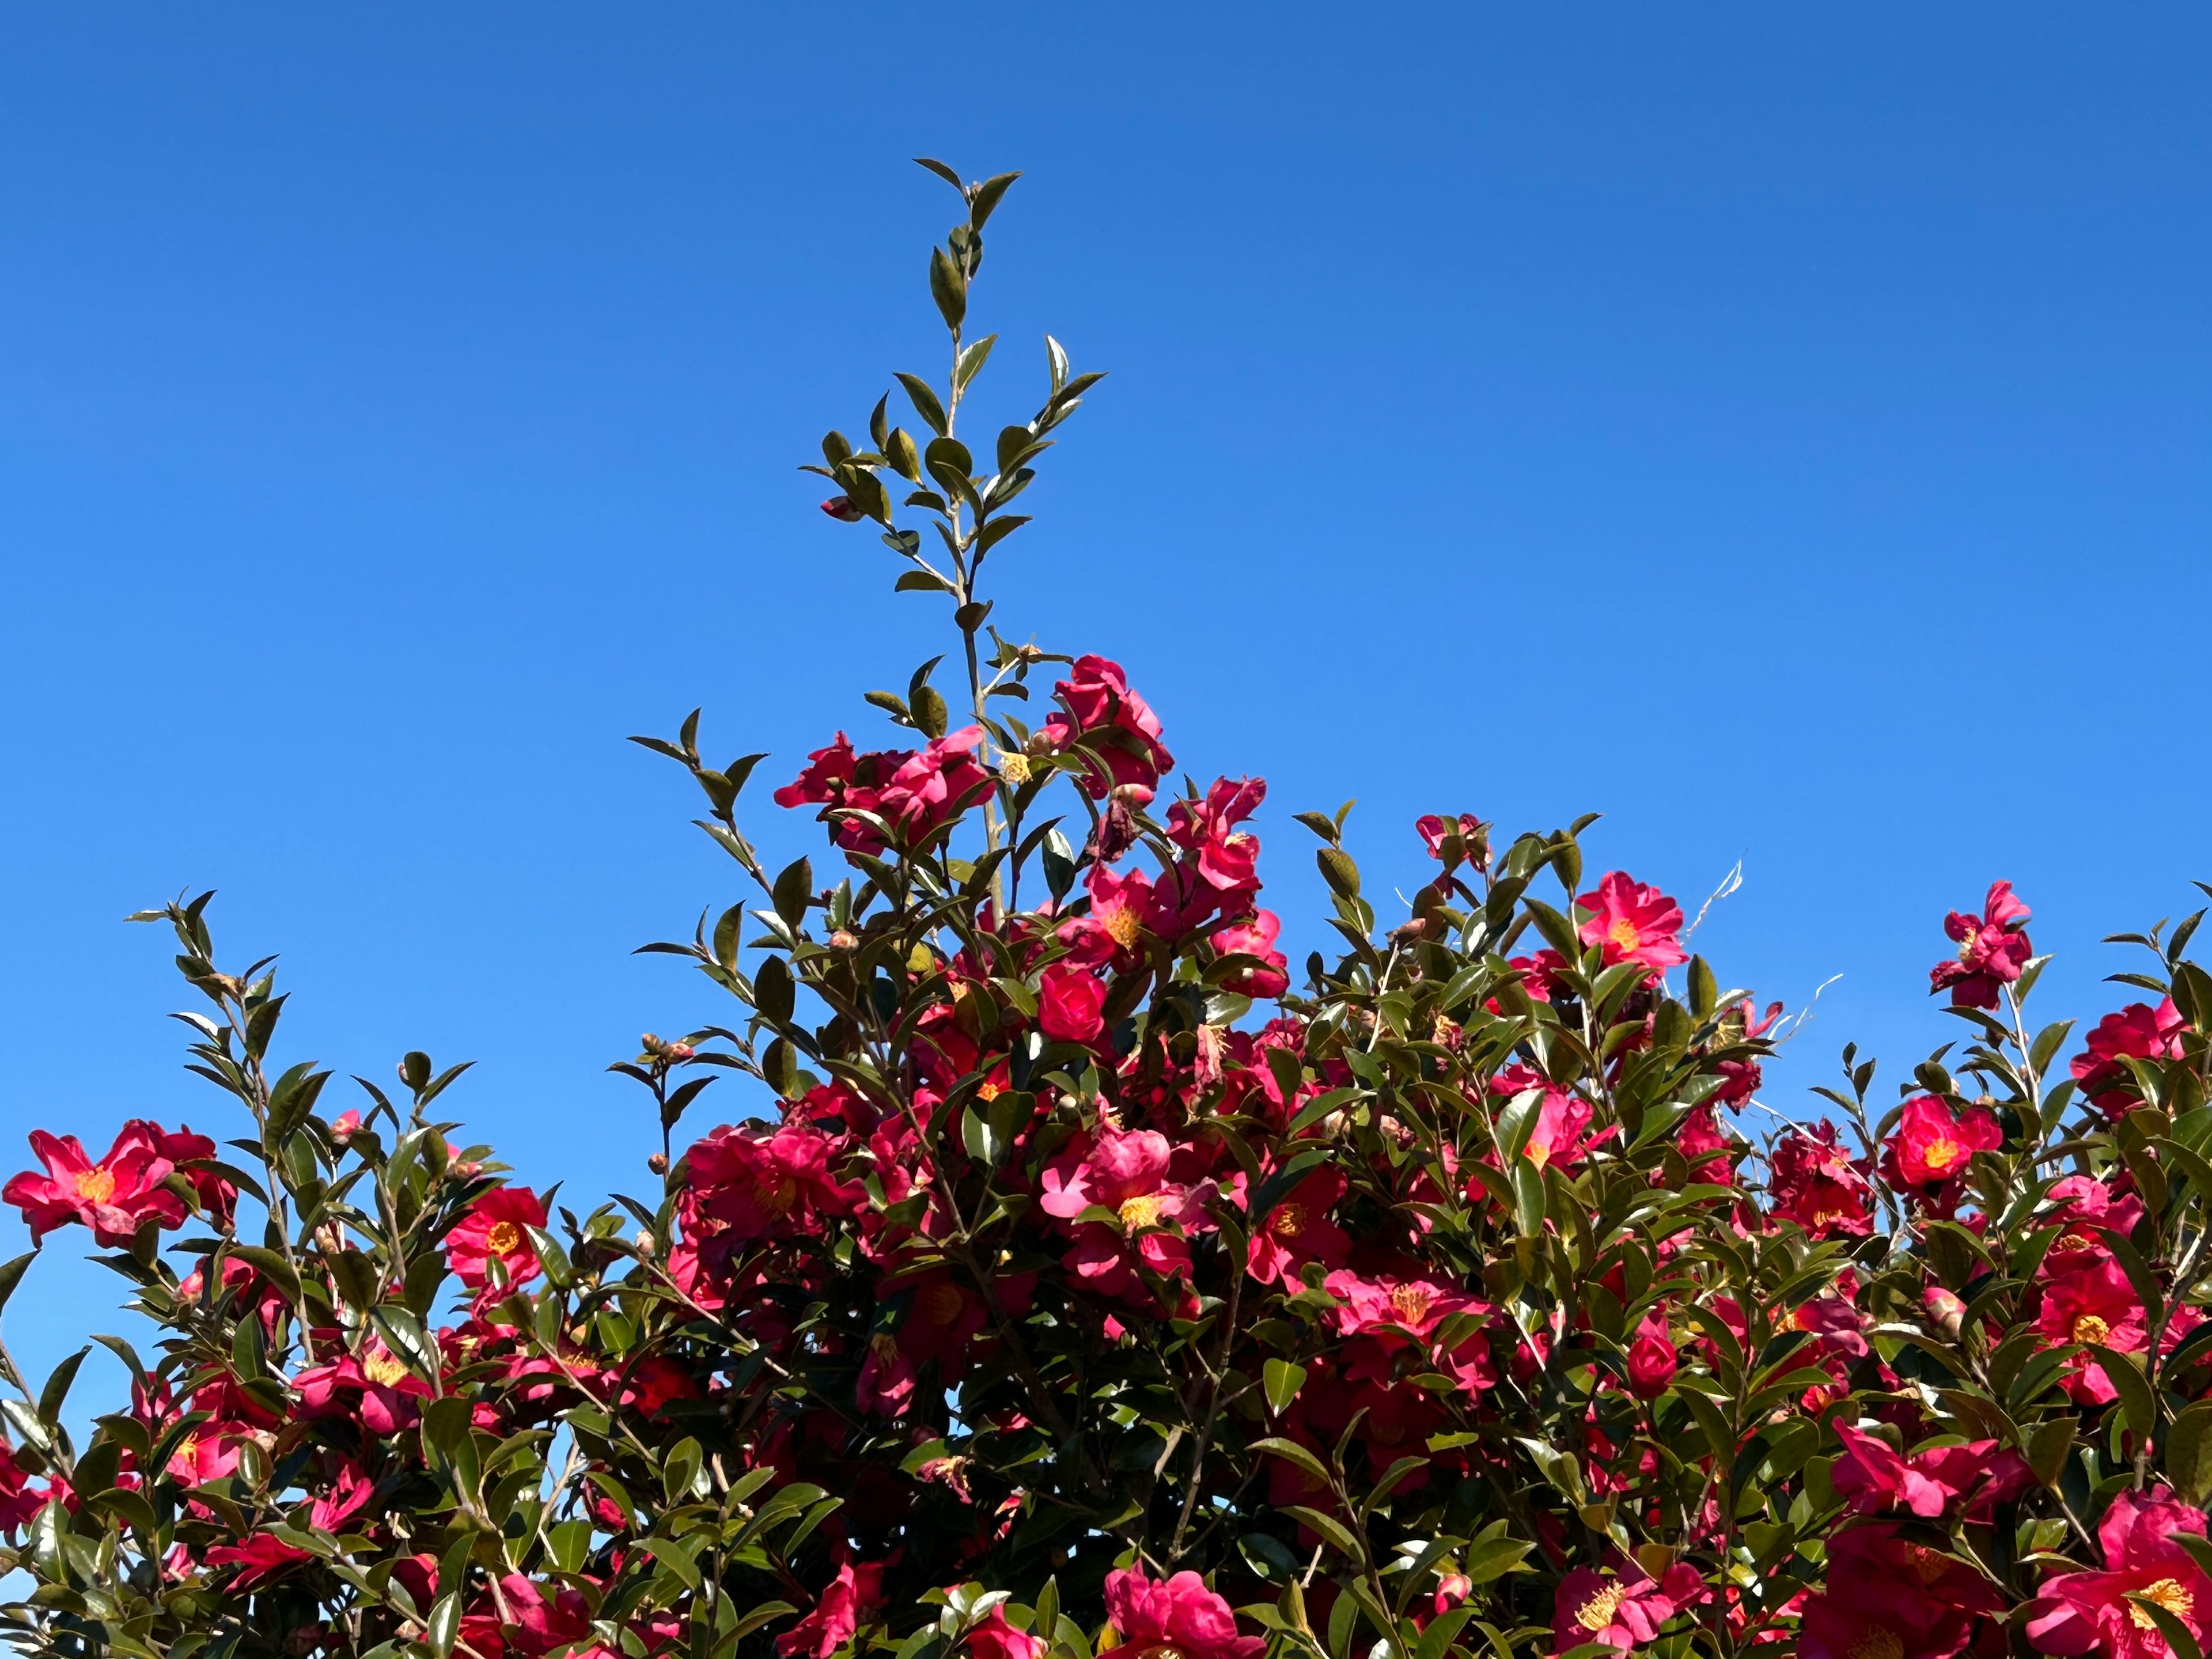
point(657, 1163)
point(1946, 1310)
point(840, 939)
point(681, 1051)
point(1651, 1363)
point(840, 508)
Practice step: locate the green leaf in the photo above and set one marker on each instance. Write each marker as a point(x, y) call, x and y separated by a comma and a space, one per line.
point(1283, 1381)
point(1291, 1452)
point(58, 1386)
point(947, 288)
point(1338, 1535)
point(12, 1275)
point(2126, 1375)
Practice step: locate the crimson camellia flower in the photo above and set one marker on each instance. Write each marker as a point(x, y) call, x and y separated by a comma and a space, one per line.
point(2137, 1031)
point(1121, 734)
point(2082, 1613)
point(1633, 923)
point(1181, 1614)
point(1812, 1182)
point(1933, 1144)
point(493, 1231)
point(1622, 1608)
point(1069, 1005)
point(1993, 949)
point(1890, 1598)
point(114, 1197)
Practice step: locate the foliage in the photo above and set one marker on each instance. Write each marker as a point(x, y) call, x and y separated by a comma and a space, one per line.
point(1081, 1283)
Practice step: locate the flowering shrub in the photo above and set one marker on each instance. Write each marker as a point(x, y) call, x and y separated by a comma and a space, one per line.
point(1073, 1282)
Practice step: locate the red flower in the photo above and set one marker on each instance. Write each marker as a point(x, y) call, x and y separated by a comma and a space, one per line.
point(1932, 1144)
point(752, 1183)
point(259, 1558)
point(2138, 1031)
point(2098, 1306)
point(994, 1638)
point(1069, 1004)
point(1633, 923)
point(914, 791)
point(347, 1496)
point(377, 1387)
point(1455, 839)
point(18, 1504)
point(1874, 1477)
point(1180, 1614)
point(1122, 735)
point(1255, 936)
point(1228, 857)
point(493, 1231)
point(1119, 905)
point(1811, 1181)
point(1298, 1231)
point(1992, 950)
point(852, 1597)
point(843, 509)
point(114, 1197)
point(1621, 1610)
point(1891, 1598)
point(1652, 1359)
point(1126, 1173)
point(2092, 1613)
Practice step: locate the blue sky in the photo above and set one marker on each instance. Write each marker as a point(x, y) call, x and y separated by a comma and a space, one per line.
point(1782, 429)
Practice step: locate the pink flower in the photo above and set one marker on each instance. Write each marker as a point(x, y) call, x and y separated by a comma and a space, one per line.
point(19, 1505)
point(1633, 923)
point(1070, 1001)
point(1812, 1182)
point(1623, 1609)
point(1993, 948)
point(114, 1197)
point(1933, 1144)
point(1872, 1477)
point(347, 1496)
point(886, 1381)
point(2138, 1031)
point(1453, 841)
point(1111, 931)
point(751, 1183)
point(1228, 857)
point(994, 1638)
point(1255, 936)
point(1181, 1613)
point(376, 1387)
point(1298, 1231)
point(1652, 1359)
point(493, 1230)
point(259, 1558)
point(852, 1597)
point(1888, 1597)
point(1112, 722)
point(1126, 1173)
point(2080, 1613)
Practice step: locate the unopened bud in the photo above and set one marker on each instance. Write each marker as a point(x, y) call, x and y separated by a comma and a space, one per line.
point(842, 940)
point(1946, 1310)
point(657, 1163)
point(840, 508)
point(681, 1051)
point(645, 1243)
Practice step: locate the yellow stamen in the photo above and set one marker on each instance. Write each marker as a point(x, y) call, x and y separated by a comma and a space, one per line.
point(504, 1238)
point(384, 1369)
point(1941, 1154)
point(1594, 1615)
point(1142, 1212)
point(1121, 926)
point(1288, 1221)
point(1879, 1642)
point(2090, 1328)
point(1412, 1302)
point(987, 1091)
point(2168, 1594)
point(1624, 934)
point(937, 1303)
point(95, 1185)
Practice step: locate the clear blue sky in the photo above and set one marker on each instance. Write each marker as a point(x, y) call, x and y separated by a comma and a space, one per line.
point(1782, 428)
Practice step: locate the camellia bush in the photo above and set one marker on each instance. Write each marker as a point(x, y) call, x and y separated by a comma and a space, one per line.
point(1075, 1278)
